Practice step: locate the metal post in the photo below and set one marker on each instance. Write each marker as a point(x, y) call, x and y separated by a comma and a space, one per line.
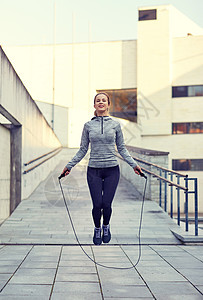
point(165, 196)
point(186, 204)
point(171, 212)
point(160, 189)
point(196, 207)
point(178, 199)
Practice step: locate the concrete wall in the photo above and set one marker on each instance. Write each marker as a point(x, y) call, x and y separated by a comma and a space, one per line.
point(187, 58)
point(31, 135)
point(60, 119)
point(4, 173)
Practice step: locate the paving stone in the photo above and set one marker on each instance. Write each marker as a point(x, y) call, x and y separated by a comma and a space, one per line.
point(118, 290)
point(33, 276)
point(42, 258)
point(166, 289)
point(26, 290)
point(76, 270)
point(21, 279)
point(77, 288)
point(137, 298)
point(39, 264)
point(22, 297)
point(160, 274)
point(8, 269)
point(75, 263)
point(76, 296)
point(77, 277)
point(122, 280)
point(193, 275)
point(179, 297)
point(9, 262)
point(185, 262)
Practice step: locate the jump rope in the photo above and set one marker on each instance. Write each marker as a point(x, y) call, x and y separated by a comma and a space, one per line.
point(76, 237)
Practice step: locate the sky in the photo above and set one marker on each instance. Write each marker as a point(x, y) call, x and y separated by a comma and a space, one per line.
point(31, 22)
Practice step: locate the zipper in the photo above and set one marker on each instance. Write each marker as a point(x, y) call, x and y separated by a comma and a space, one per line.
point(102, 125)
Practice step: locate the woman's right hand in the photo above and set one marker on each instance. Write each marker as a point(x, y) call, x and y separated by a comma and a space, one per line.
point(66, 171)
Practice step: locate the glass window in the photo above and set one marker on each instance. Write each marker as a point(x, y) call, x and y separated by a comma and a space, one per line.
point(195, 90)
point(187, 128)
point(147, 14)
point(196, 127)
point(187, 164)
point(179, 91)
point(187, 91)
point(123, 103)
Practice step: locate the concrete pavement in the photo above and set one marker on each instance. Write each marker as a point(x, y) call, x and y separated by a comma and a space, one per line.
point(40, 258)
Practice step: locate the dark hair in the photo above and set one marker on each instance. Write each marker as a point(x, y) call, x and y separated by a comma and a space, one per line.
point(102, 93)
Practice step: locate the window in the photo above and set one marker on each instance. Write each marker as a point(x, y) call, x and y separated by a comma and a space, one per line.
point(147, 14)
point(187, 164)
point(187, 91)
point(195, 90)
point(123, 103)
point(187, 128)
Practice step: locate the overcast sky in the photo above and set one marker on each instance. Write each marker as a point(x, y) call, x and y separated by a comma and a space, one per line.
point(28, 22)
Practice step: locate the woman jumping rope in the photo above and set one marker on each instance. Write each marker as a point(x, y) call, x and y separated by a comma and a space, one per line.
point(103, 173)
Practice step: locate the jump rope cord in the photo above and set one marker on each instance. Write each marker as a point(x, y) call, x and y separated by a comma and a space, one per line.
point(139, 234)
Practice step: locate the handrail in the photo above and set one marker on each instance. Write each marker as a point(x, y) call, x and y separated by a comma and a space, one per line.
point(171, 183)
point(40, 163)
point(39, 157)
point(160, 167)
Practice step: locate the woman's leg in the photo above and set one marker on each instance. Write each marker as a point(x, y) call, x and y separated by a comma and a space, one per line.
point(111, 178)
point(95, 187)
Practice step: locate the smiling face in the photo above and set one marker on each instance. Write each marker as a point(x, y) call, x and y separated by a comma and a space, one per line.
point(101, 104)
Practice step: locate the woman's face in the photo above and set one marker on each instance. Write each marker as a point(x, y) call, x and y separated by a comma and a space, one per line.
point(101, 103)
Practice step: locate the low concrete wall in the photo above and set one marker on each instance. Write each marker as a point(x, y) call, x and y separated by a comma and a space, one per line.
point(157, 157)
point(31, 135)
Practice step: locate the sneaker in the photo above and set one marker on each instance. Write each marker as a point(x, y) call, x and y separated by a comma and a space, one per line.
point(97, 240)
point(106, 237)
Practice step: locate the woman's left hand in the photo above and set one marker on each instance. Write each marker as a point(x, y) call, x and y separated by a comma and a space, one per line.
point(137, 170)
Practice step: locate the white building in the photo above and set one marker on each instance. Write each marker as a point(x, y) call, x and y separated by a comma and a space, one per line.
point(155, 83)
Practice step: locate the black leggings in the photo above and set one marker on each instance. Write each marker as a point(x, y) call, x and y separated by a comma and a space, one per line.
point(102, 184)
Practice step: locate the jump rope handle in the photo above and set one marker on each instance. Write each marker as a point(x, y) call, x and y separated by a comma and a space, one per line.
point(142, 174)
point(61, 176)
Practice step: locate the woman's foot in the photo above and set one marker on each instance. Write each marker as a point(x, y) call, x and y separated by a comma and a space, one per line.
point(97, 240)
point(106, 237)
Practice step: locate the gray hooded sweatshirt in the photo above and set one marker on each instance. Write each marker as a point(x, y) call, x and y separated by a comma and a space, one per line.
point(103, 133)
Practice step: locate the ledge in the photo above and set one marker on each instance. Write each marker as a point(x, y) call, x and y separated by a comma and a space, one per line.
point(146, 151)
point(187, 238)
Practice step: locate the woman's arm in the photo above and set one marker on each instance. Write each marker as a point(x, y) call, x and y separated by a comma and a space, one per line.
point(124, 152)
point(84, 144)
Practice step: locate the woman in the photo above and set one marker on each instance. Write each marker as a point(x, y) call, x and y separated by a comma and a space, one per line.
point(103, 133)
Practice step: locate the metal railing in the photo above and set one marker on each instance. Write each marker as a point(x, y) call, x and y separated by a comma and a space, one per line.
point(163, 176)
point(49, 154)
point(166, 178)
